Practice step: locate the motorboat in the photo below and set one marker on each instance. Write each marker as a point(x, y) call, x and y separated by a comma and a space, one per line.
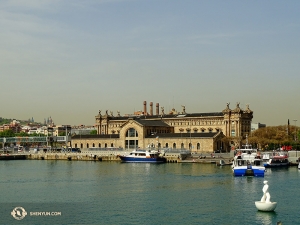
point(147, 156)
point(277, 161)
point(247, 162)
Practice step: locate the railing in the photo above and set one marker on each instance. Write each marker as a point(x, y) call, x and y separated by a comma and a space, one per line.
point(33, 139)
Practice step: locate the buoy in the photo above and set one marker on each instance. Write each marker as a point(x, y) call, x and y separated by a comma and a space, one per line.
point(265, 204)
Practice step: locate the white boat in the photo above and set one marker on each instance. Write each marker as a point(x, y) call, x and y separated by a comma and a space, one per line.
point(143, 156)
point(279, 160)
point(247, 162)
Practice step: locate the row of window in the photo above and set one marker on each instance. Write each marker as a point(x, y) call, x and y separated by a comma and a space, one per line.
point(183, 123)
point(134, 144)
point(197, 123)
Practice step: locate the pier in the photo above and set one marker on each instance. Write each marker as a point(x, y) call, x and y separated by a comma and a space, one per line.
point(171, 157)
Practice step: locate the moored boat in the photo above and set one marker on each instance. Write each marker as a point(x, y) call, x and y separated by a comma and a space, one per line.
point(277, 161)
point(143, 156)
point(247, 162)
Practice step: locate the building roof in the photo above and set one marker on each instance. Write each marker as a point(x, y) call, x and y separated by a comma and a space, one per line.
point(152, 123)
point(187, 115)
point(184, 135)
point(160, 135)
point(95, 136)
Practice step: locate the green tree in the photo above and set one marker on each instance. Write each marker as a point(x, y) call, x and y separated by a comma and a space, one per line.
point(7, 133)
point(62, 133)
point(93, 132)
point(21, 134)
point(270, 138)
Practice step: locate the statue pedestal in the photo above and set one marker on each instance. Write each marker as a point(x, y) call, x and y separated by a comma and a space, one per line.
point(265, 206)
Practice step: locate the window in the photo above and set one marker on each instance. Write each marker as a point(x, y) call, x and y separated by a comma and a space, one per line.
point(131, 143)
point(131, 140)
point(174, 145)
point(198, 146)
point(131, 133)
point(233, 133)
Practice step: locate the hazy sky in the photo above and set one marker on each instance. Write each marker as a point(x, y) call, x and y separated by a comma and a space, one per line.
point(70, 59)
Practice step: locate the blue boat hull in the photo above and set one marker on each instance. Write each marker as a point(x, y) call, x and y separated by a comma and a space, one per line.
point(142, 160)
point(240, 172)
point(276, 165)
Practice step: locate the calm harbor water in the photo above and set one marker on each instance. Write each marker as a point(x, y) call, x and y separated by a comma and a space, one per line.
point(77, 192)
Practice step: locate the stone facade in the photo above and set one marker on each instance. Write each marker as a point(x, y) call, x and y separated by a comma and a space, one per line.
point(198, 132)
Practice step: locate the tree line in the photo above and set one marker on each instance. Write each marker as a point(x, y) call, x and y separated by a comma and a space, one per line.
point(268, 138)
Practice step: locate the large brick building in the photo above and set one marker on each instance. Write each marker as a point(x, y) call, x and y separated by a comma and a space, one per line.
point(198, 132)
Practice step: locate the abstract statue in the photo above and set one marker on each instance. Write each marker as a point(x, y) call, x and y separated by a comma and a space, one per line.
point(265, 204)
point(266, 197)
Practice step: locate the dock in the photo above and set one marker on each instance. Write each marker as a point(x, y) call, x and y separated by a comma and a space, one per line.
point(111, 156)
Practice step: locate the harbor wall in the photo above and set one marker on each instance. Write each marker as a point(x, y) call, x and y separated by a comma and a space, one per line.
point(97, 156)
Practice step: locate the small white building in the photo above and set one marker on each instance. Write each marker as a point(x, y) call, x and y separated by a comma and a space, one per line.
point(255, 126)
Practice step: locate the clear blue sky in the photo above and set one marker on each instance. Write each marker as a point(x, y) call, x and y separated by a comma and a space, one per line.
point(70, 59)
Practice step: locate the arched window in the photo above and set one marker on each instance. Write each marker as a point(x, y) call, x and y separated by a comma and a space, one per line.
point(167, 145)
point(198, 146)
point(190, 146)
point(131, 133)
point(87, 145)
point(174, 145)
point(81, 145)
point(105, 145)
point(93, 144)
point(75, 145)
point(111, 144)
point(131, 140)
point(99, 145)
point(182, 146)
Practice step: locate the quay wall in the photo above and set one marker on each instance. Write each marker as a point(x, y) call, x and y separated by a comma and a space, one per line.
point(114, 156)
point(83, 156)
point(97, 156)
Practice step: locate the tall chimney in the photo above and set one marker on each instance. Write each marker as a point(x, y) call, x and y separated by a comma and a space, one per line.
point(157, 109)
point(151, 108)
point(145, 108)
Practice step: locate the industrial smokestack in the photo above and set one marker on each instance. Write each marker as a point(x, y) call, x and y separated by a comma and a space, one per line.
point(151, 108)
point(157, 109)
point(145, 108)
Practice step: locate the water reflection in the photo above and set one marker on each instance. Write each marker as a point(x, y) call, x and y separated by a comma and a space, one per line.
point(266, 218)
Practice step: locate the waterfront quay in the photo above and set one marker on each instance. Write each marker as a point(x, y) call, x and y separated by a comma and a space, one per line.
point(179, 156)
point(104, 155)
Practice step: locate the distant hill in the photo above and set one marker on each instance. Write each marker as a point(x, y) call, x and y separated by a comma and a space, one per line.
point(22, 122)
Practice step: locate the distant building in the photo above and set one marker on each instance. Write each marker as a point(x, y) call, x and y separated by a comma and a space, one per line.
point(198, 132)
point(82, 130)
point(255, 126)
point(14, 126)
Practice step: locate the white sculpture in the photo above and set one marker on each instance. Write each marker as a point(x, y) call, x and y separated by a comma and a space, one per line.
point(266, 197)
point(265, 204)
